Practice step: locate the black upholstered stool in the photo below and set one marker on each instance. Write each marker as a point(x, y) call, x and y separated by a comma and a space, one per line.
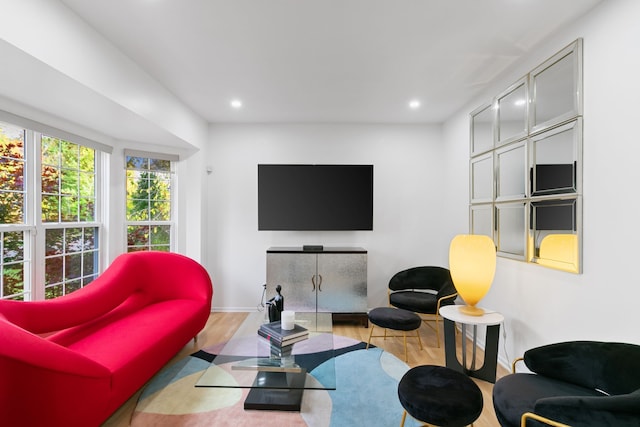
point(397, 320)
point(439, 396)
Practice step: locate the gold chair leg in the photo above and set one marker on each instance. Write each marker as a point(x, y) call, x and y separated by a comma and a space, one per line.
point(406, 354)
point(370, 334)
point(404, 417)
point(419, 339)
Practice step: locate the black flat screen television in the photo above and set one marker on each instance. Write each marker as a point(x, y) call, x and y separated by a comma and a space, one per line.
point(553, 215)
point(555, 178)
point(315, 197)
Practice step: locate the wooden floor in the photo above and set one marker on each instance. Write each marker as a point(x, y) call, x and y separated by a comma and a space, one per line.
point(221, 327)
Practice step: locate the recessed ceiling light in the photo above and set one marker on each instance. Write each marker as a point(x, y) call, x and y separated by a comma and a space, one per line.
point(414, 104)
point(236, 103)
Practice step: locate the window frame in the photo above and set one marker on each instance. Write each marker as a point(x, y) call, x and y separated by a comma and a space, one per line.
point(33, 226)
point(171, 222)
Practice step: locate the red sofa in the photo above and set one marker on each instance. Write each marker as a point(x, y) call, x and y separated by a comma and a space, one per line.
point(73, 360)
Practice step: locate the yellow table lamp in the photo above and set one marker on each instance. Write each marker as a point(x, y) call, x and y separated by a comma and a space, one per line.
point(472, 262)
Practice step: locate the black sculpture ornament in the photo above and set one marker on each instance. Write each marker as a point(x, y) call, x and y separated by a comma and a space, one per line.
point(276, 305)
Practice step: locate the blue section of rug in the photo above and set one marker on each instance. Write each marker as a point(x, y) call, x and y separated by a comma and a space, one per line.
point(365, 394)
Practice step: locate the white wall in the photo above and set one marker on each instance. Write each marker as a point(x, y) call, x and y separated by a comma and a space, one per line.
point(542, 305)
point(408, 190)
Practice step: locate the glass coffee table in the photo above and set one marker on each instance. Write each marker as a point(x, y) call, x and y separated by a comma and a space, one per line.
point(277, 379)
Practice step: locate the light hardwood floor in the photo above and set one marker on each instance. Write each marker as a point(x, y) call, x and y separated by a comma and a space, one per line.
point(221, 326)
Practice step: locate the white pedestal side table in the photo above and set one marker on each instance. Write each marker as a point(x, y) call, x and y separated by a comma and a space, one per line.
point(492, 320)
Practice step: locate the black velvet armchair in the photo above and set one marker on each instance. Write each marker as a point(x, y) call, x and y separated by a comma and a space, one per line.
point(577, 383)
point(423, 290)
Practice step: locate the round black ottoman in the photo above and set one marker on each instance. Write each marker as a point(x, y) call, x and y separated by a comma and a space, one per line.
point(394, 318)
point(440, 396)
point(397, 320)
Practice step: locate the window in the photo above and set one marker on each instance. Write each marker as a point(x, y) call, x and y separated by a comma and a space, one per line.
point(149, 203)
point(13, 262)
point(49, 228)
point(68, 201)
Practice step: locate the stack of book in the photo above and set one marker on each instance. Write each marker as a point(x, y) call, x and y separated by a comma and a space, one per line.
point(280, 338)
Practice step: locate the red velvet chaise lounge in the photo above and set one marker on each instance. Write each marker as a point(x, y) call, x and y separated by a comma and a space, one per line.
point(72, 361)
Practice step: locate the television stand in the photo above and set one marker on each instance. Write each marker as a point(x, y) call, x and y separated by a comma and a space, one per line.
point(331, 280)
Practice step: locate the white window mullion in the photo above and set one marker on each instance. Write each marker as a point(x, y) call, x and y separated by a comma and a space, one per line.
point(35, 211)
point(174, 208)
point(101, 217)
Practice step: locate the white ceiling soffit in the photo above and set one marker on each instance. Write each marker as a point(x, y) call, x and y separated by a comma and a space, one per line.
point(52, 98)
point(326, 60)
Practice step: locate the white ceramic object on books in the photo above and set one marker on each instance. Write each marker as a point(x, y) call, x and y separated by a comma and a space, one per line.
point(287, 320)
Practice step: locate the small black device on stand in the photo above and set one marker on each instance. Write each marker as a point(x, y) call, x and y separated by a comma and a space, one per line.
point(276, 305)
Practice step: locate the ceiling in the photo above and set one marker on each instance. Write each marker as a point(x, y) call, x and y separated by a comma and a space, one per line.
point(326, 60)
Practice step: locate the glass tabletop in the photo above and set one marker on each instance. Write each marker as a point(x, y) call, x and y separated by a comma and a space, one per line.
point(248, 360)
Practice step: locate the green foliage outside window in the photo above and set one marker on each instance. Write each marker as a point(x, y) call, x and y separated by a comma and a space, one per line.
point(148, 204)
point(12, 265)
point(67, 181)
point(12, 210)
point(12, 166)
point(71, 259)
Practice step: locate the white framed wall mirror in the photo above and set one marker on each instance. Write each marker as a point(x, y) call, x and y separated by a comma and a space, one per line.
point(555, 156)
point(511, 230)
point(482, 184)
point(482, 129)
point(511, 107)
point(481, 219)
point(511, 170)
point(556, 88)
point(526, 165)
point(554, 228)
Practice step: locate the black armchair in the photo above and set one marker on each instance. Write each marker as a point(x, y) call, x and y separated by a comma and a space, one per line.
point(423, 290)
point(577, 383)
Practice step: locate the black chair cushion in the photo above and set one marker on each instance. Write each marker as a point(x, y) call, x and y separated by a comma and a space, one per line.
point(581, 383)
point(593, 411)
point(440, 396)
point(608, 366)
point(420, 302)
point(515, 394)
point(394, 318)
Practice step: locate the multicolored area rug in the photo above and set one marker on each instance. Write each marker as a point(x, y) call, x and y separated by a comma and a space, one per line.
point(366, 393)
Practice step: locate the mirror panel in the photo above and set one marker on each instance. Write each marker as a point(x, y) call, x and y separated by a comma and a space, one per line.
point(512, 113)
point(555, 234)
point(511, 230)
point(511, 167)
point(482, 178)
point(556, 87)
point(482, 129)
point(482, 220)
point(555, 157)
